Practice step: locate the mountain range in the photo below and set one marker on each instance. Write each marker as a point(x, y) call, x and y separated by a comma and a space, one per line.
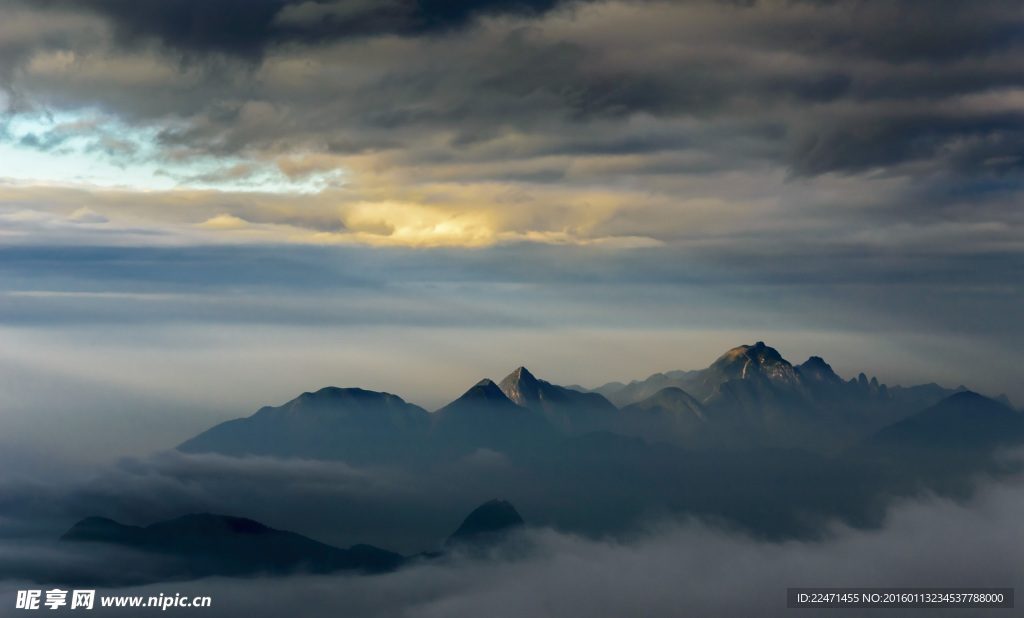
point(751, 442)
point(750, 397)
point(770, 446)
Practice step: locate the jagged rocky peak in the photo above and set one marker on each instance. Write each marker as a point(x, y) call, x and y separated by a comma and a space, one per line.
point(521, 386)
point(870, 386)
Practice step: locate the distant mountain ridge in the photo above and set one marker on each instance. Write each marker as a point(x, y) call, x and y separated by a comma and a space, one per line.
point(751, 396)
point(669, 412)
point(366, 426)
point(962, 421)
point(745, 361)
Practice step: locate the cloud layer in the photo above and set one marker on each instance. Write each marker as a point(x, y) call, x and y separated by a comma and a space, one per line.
point(480, 122)
point(683, 567)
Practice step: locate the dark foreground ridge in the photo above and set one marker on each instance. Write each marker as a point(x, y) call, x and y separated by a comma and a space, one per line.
point(205, 544)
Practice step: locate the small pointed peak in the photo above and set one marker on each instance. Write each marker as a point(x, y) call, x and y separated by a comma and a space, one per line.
point(484, 389)
point(521, 375)
point(522, 372)
point(520, 386)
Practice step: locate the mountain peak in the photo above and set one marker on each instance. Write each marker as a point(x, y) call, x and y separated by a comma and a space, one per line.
point(816, 368)
point(739, 360)
point(522, 373)
point(521, 386)
point(487, 522)
point(965, 395)
point(484, 390)
point(334, 400)
point(765, 353)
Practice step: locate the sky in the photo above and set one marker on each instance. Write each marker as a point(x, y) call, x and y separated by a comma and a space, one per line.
point(207, 207)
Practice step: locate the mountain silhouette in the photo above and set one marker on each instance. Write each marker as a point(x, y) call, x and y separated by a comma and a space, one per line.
point(669, 413)
point(776, 449)
point(206, 544)
point(750, 397)
point(963, 421)
point(350, 424)
point(489, 523)
point(942, 447)
point(484, 417)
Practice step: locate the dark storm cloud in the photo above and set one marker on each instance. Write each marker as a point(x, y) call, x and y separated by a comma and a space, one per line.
point(813, 87)
point(901, 31)
point(989, 145)
point(248, 27)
